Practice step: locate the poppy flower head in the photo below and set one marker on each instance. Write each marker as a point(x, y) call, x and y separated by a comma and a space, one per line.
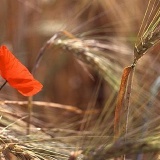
point(16, 74)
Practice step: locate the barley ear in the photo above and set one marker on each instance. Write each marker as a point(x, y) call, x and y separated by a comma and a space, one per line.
point(149, 38)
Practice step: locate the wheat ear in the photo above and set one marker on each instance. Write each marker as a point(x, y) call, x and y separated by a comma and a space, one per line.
point(150, 37)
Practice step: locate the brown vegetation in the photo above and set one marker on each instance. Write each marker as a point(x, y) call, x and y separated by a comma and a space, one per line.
point(78, 50)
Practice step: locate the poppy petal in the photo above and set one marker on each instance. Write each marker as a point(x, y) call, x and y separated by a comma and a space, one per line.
point(17, 74)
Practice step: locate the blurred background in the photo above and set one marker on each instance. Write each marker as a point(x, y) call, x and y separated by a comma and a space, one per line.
point(26, 25)
point(109, 28)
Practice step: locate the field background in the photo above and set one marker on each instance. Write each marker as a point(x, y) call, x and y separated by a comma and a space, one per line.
point(109, 28)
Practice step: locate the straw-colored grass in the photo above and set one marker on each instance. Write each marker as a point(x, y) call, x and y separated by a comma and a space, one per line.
point(90, 134)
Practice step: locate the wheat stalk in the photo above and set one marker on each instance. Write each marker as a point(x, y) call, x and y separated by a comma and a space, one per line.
point(45, 104)
point(150, 37)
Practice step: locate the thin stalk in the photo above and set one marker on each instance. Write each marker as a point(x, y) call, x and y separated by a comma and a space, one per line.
point(3, 85)
point(30, 106)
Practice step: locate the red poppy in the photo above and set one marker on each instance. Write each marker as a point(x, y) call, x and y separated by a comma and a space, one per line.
point(17, 74)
